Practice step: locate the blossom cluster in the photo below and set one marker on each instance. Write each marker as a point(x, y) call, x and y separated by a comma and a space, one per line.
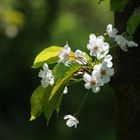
point(122, 42)
point(46, 75)
point(95, 72)
point(102, 70)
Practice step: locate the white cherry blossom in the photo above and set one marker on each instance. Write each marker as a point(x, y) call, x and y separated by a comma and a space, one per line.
point(111, 31)
point(64, 54)
point(46, 75)
point(81, 57)
point(104, 71)
point(122, 42)
point(108, 59)
point(71, 121)
point(97, 46)
point(92, 81)
point(132, 44)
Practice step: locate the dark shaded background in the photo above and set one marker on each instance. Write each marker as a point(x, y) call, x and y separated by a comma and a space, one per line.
point(27, 27)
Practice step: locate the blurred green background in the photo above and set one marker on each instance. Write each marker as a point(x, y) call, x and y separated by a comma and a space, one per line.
point(27, 27)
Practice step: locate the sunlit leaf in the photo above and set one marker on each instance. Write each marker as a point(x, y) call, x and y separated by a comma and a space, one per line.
point(36, 107)
point(88, 57)
point(133, 22)
point(61, 70)
point(48, 55)
point(118, 5)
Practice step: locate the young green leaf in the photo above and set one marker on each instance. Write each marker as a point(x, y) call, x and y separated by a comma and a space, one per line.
point(118, 5)
point(36, 107)
point(57, 108)
point(61, 70)
point(52, 98)
point(48, 55)
point(49, 105)
point(133, 22)
point(88, 57)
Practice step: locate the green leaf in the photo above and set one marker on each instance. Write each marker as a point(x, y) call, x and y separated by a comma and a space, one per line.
point(52, 98)
point(48, 55)
point(75, 81)
point(49, 105)
point(57, 108)
point(118, 5)
point(36, 107)
point(100, 1)
point(63, 72)
point(133, 22)
point(88, 57)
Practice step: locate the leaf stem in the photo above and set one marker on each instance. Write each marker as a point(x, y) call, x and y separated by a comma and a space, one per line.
point(82, 102)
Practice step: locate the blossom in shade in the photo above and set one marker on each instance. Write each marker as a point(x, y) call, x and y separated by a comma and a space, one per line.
point(81, 57)
point(46, 75)
point(132, 44)
point(71, 121)
point(97, 46)
point(92, 81)
point(124, 43)
point(111, 31)
point(64, 54)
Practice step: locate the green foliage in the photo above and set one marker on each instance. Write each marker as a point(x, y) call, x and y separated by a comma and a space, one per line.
point(133, 22)
point(118, 5)
point(49, 99)
point(36, 107)
point(60, 70)
point(100, 1)
point(48, 55)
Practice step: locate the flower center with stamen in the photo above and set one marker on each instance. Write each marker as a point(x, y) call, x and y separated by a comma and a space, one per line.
point(95, 48)
point(103, 72)
point(93, 82)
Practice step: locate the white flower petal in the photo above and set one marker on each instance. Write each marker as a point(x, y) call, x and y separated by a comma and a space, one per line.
point(46, 75)
point(109, 64)
point(132, 44)
point(81, 58)
point(71, 121)
point(108, 58)
point(65, 90)
point(92, 38)
point(110, 71)
point(87, 77)
point(111, 31)
point(64, 54)
point(100, 39)
point(105, 46)
point(121, 41)
point(109, 28)
point(95, 89)
point(68, 117)
point(45, 66)
point(87, 85)
point(106, 79)
point(67, 48)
